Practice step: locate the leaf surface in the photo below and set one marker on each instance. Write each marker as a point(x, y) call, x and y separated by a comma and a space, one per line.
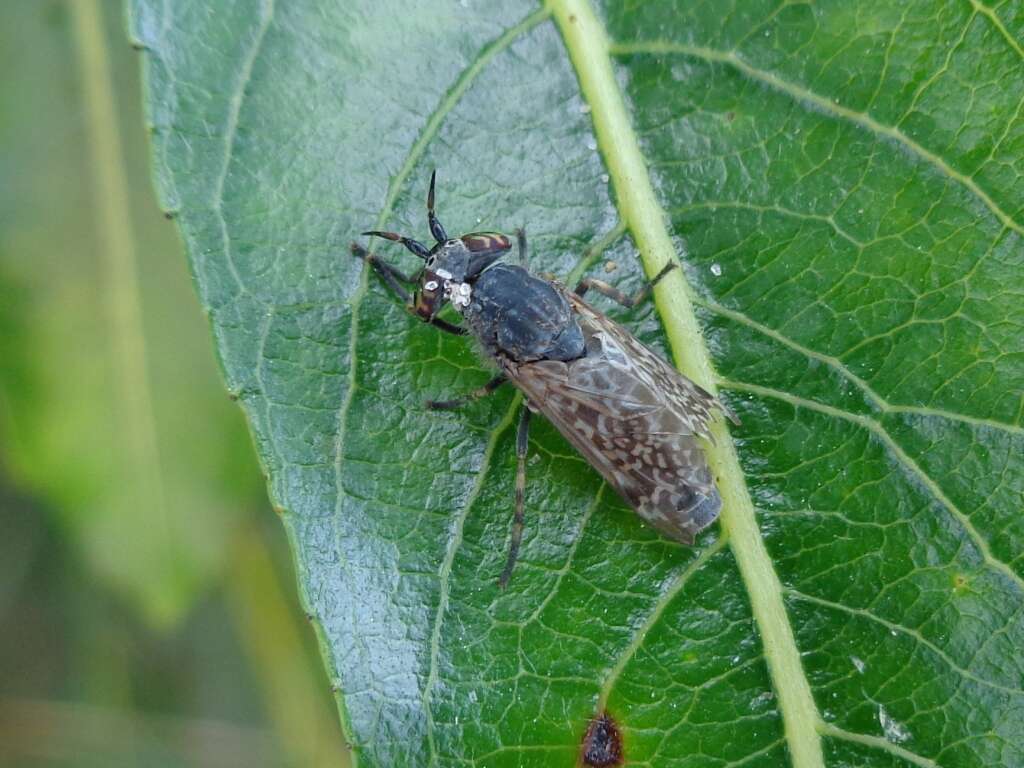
point(842, 184)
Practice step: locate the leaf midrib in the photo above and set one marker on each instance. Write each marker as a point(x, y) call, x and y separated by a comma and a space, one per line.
point(589, 50)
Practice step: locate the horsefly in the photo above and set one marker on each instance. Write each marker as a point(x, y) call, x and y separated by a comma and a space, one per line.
point(634, 417)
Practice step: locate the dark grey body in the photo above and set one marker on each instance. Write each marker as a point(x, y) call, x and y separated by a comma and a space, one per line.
point(523, 318)
point(636, 419)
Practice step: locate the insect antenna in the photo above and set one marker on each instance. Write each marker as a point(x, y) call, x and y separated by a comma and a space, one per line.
point(435, 226)
point(413, 245)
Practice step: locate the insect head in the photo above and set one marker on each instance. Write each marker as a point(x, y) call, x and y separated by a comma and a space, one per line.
point(452, 265)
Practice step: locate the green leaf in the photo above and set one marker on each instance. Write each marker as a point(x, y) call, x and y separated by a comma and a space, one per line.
point(842, 183)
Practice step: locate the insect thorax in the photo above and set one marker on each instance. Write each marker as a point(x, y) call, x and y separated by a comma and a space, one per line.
point(522, 317)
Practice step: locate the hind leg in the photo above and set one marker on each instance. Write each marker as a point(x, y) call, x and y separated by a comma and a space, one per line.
point(522, 444)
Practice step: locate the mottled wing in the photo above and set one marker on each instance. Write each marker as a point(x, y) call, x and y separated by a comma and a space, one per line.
point(635, 418)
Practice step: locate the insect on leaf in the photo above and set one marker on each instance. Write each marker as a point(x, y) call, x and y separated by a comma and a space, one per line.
point(841, 184)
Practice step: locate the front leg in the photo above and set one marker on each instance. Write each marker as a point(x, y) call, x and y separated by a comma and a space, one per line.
point(394, 278)
point(389, 274)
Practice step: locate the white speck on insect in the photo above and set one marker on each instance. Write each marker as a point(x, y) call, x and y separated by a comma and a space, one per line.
point(430, 285)
point(605, 178)
point(458, 294)
point(716, 269)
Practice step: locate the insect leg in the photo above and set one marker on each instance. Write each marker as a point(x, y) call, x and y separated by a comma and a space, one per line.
point(615, 294)
point(444, 325)
point(522, 443)
point(476, 394)
point(521, 242)
point(435, 226)
point(379, 264)
point(394, 279)
point(413, 246)
point(390, 275)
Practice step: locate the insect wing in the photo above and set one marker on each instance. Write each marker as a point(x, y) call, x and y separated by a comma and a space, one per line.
point(636, 420)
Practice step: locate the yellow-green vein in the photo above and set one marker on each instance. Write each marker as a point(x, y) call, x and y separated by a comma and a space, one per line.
point(231, 131)
point(454, 542)
point(800, 93)
point(589, 50)
point(877, 742)
point(416, 151)
point(996, 22)
point(843, 370)
point(640, 633)
point(900, 455)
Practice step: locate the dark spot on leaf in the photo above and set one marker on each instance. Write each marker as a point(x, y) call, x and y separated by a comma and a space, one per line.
point(730, 116)
point(572, 18)
point(602, 745)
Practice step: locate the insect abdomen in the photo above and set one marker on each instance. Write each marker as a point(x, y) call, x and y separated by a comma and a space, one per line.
point(636, 420)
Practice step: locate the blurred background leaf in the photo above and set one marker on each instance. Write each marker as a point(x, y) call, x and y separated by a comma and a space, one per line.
point(129, 492)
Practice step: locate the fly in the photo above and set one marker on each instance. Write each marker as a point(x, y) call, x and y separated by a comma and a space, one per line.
point(634, 417)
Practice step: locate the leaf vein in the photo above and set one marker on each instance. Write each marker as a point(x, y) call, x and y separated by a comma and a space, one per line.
point(837, 365)
point(429, 131)
point(588, 47)
point(804, 94)
point(900, 455)
point(827, 729)
point(991, 15)
point(231, 132)
point(907, 631)
point(640, 634)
